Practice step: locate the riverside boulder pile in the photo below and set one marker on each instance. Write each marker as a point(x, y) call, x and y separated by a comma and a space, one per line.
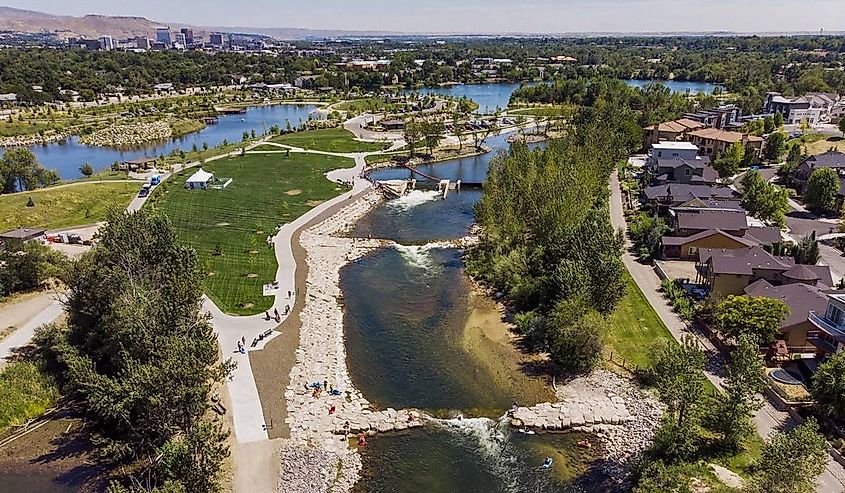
point(128, 135)
point(318, 437)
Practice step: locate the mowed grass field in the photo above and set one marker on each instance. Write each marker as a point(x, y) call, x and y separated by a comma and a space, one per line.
point(229, 227)
point(329, 140)
point(64, 206)
point(635, 327)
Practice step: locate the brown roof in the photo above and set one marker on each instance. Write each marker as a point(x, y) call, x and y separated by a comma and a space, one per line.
point(723, 135)
point(809, 273)
point(800, 298)
point(764, 235)
point(676, 126)
point(683, 240)
point(729, 220)
point(743, 261)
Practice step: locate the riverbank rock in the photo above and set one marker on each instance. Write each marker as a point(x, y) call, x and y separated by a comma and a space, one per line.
point(128, 135)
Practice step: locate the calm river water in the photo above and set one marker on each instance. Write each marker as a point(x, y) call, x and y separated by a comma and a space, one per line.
point(66, 156)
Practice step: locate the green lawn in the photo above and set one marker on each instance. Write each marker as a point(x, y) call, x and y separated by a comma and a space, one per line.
point(228, 227)
point(25, 393)
point(329, 140)
point(60, 207)
point(359, 105)
point(635, 327)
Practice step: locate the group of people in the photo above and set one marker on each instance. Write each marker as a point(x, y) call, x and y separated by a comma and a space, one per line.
point(317, 388)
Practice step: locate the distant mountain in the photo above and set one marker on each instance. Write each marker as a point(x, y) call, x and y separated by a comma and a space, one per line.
point(92, 26)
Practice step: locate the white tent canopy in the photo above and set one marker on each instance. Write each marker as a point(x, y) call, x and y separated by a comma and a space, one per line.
point(199, 179)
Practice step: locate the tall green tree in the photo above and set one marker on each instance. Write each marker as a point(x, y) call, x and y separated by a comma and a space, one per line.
point(727, 164)
point(822, 190)
point(828, 387)
point(755, 316)
point(678, 376)
point(806, 252)
point(764, 200)
point(774, 147)
point(790, 462)
point(20, 170)
point(137, 354)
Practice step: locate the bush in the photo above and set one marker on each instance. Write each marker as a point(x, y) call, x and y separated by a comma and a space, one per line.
point(646, 231)
point(574, 337)
point(25, 393)
point(678, 298)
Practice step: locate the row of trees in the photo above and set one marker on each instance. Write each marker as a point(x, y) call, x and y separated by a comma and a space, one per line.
point(20, 170)
point(138, 358)
point(427, 132)
point(547, 241)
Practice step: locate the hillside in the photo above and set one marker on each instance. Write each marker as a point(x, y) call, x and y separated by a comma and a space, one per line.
point(91, 26)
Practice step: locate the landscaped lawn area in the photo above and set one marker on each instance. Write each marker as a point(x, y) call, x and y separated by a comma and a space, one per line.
point(359, 105)
point(822, 145)
point(329, 140)
point(635, 327)
point(25, 393)
point(228, 227)
point(60, 207)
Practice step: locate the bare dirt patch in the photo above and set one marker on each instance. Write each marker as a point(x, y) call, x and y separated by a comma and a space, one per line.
point(252, 275)
point(253, 252)
point(294, 192)
point(247, 305)
point(222, 224)
point(210, 274)
point(314, 203)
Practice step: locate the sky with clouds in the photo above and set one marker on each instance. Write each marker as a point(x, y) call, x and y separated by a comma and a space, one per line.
point(535, 16)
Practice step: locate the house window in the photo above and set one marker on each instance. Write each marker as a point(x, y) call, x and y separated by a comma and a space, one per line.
point(692, 251)
point(834, 315)
point(659, 153)
point(686, 172)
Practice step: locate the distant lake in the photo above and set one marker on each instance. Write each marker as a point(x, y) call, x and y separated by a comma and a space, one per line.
point(488, 96)
point(67, 156)
point(676, 85)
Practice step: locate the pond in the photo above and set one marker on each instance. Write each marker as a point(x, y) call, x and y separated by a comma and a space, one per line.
point(67, 156)
point(681, 86)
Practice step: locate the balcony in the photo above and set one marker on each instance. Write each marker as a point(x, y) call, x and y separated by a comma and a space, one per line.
point(826, 328)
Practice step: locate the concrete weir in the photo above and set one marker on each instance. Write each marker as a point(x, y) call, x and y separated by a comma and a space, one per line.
point(572, 414)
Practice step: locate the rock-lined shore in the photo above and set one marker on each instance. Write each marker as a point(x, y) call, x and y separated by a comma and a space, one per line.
point(31, 140)
point(128, 135)
point(319, 438)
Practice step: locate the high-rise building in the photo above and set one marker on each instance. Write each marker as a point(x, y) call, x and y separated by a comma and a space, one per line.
point(141, 42)
point(106, 43)
point(216, 39)
point(163, 36)
point(180, 41)
point(189, 35)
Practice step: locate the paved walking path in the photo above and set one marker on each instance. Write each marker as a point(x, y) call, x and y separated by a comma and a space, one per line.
point(23, 335)
point(767, 419)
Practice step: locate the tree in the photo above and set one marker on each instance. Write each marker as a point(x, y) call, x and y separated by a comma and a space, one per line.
point(412, 133)
point(806, 252)
point(842, 126)
point(86, 169)
point(756, 316)
point(433, 135)
point(20, 170)
point(732, 412)
point(647, 231)
point(822, 190)
point(774, 147)
point(458, 129)
point(764, 200)
point(769, 124)
point(778, 120)
point(136, 354)
point(678, 376)
point(828, 386)
point(574, 335)
point(790, 462)
point(727, 164)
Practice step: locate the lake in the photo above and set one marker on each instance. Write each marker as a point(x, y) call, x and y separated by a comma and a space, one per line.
point(676, 85)
point(67, 156)
point(489, 97)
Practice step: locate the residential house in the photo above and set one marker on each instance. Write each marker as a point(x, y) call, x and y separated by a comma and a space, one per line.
point(724, 117)
point(828, 334)
point(695, 228)
point(730, 271)
point(8, 99)
point(802, 300)
point(671, 150)
point(679, 170)
point(674, 194)
point(671, 131)
point(832, 159)
point(713, 142)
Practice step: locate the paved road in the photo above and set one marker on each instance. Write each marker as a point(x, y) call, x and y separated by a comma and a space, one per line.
point(768, 419)
point(23, 335)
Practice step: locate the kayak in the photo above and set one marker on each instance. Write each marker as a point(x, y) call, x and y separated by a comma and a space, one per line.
point(547, 463)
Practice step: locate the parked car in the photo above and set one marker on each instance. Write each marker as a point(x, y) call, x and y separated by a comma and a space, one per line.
point(145, 190)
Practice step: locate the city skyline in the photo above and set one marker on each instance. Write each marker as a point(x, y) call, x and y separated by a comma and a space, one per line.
point(478, 16)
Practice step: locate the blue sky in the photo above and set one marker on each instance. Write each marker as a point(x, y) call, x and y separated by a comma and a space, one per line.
point(552, 16)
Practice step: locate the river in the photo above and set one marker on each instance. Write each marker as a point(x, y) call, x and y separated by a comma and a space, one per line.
point(68, 155)
point(419, 335)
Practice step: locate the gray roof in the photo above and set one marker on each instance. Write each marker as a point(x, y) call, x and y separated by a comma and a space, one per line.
point(829, 159)
point(764, 235)
point(800, 298)
point(810, 273)
point(728, 220)
point(681, 192)
point(22, 234)
point(743, 261)
point(674, 162)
